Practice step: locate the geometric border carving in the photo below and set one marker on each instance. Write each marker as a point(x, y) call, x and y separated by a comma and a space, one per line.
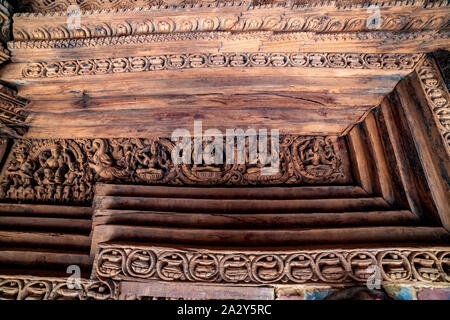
point(396, 265)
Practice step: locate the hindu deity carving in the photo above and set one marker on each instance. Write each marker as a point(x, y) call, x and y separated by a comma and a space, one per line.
point(315, 158)
point(153, 160)
point(103, 163)
point(50, 171)
point(65, 170)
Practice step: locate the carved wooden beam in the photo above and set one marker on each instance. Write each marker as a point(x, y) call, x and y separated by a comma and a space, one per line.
point(62, 5)
point(66, 170)
point(396, 265)
point(219, 60)
point(324, 17)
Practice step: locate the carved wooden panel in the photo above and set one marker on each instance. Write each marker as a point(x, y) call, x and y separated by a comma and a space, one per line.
point(123, 262)
point(66, 170)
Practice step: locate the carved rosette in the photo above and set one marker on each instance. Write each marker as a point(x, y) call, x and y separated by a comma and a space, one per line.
point(42, 288)
point(396, 265)
point(65, 170)
point(437, 96)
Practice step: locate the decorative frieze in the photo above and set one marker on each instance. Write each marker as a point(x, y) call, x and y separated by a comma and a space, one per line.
point(123, 262)
point(12, 113)
point(66, 170)
point(233, 17)
point(219, 60)
point(46, 288)
point(62, 5)
point(437, 95)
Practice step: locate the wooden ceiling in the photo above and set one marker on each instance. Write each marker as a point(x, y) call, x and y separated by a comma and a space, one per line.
point(141, 71)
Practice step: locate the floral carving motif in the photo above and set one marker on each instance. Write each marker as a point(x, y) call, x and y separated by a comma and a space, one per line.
point(309, 266)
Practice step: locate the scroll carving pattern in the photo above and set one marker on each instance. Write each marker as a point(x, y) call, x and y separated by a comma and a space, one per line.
point(60, 5)
point(12, 113)
point(121, 262)
point(217, 60)
point(66, 170)
point(437, 95)
point(237, 17)
point(37, 288)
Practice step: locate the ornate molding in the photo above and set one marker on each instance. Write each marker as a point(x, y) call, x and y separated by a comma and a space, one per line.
point(66, 170)
point(437, 96)
point(46, 288)
point(12, 113)
point(234, 17)
point(43, 6)
point(219, 60)
point(396, 265)
point(269, 36)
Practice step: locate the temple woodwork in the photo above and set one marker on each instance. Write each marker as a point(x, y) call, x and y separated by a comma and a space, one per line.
point(359, 112)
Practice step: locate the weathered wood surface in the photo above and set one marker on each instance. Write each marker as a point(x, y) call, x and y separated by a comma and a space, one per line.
point(429, 144)
point(133, 290)
point(293, 100)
